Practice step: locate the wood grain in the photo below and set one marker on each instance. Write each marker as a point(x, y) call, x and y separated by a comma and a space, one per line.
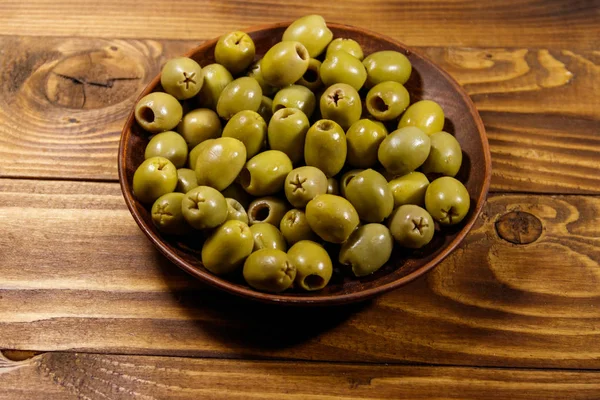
point(94, 376)
point(59, 118)
point(530, 23)
point(491, 302)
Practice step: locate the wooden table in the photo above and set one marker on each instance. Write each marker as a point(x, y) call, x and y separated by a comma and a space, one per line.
point(89, 309)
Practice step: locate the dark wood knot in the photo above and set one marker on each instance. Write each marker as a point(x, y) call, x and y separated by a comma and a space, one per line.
point(519, 227)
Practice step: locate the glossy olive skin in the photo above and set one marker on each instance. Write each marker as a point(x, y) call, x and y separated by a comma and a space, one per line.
point(267, 236)
point(193, 156)
point(387, 65)
point(158, 112)
point(426, 115)
point(370, 195)
point(267, 209)
point(284, 63)
point(227, 247)
point(341, 103)
point(269, 270)
point(325, 147)
point(266, 109)
point(445, 156)
point(249, 128)
point(182, 78)
point(220, 162)
point(236, 211)
point(216, 78)
point(235, 191)
point(313, 265)
point(333, 186)
point(347, 178)
point(404, 150)
point(341, 67)
point(364, 138)
point(186, 180)
point(411, 226)
point(294, 227)
point(167, 216)
point(331, 217)
point(387, 100)
point(169, 145)
point(447, 200)
point(241, 94)
point(303, 184)
point(199, 125)
point(153, 178)
point(235, 51)
point(256, 73)
point(204, 207)
point(287, 132)
point(367, 249)
point(312, 77)
point(409, 189)
point(264, 174)
point(295, 96)
point(311, 31)
point(350, 46)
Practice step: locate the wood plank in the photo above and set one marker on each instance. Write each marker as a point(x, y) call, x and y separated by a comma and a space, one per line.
point(61, 118)
point(492, 302)
point(531, 23)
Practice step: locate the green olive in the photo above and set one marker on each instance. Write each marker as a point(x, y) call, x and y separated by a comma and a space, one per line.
point(341, 67)
point(294, 227)
point(249, 128)
point(267, 236)
point(387, 65)
point(341, 103)
point(287, 133)
point(387, 100)
point(284, 63)
point(332, 186)
point(167, 215)
point(346, 178)
point(199, 125)
point(370, 195)
point(264, 174)
point(204, 207)
point(220, 162)
point(303, 184)
point(256, 73)
point(169, 145)
point(447, 200)
point(409, 189)
point(364, 138)
point(445, 156)
point(311, 31)
point(235, 51)
point(236, 211)
point(325, 147)
point(182, 78)
point(241, 94)
point(269, 270)
point(411, 226)
point(331, 217)
point(313, 265)
point(153, 178)
point(227, 247)
point(295, 96)
point(267, 209)
point(186, 180)
point(237, 192)
point(312, 77)
point(350, 46)
point(158, 112)
point(367, 249)
point(404, 150)
point(216, 78)
point(266, 109)
point(193, 156)
point(426, 115)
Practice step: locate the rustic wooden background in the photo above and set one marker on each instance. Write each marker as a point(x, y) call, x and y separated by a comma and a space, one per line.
point(89, 309)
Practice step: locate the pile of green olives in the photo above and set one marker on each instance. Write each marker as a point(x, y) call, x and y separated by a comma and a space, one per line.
point(263, 159)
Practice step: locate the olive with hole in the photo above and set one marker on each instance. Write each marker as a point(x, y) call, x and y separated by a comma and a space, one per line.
point(249, 128)
point(241, 94)
point(186, 180)
point(235, 51)
point(311, 31)
point(182, 78)
point(167, 215)
point(227, 247)
point(409, 189)
point(364, 137)
point(404, 150)
point(295, 96)
point(269, 270)
point(153, 178)
point(313, 265)
point(370, 195)
point(325, 147)
point(358, 251)
point(333, 186)
point(236, 211)
point(447, 200)
point(294, 227)
point(266, 109)
point(312, 77)
point(204, 207)
point(341, 67)
point(264, 174)
point(445, 157)
point(350, 46)
point(284, 63)
point(237, 192)
point(199, 125)
point(303, 184)
point(216, 78)
point(170, 145)
point(267, 236)
point(287, 133)
point(411, 226)
point(426, 115)
point(158, 112)
point(387, 65)
point(341, 103)
point(346, 178)
point(331, 217)
point(220, 162)
point(267, 209)
point(387, 100)
point(256, 73)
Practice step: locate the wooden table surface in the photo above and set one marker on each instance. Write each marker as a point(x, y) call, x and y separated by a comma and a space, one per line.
point(89, 309)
